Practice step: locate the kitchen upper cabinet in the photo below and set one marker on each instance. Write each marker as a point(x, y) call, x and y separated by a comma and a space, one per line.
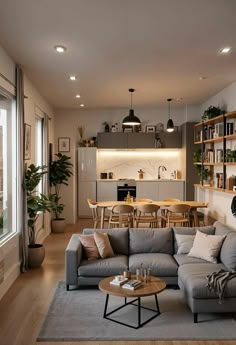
point(141, 140)
point(147, 189)
point(171, 189)
point(106, 190)
point(171, 140)
point(112, 140)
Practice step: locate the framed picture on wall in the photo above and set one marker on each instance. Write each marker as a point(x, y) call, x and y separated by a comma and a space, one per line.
point(150, 129)
point(63, 144)
point(27, 143)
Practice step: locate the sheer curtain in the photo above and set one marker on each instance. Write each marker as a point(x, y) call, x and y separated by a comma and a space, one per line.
point(22, 193)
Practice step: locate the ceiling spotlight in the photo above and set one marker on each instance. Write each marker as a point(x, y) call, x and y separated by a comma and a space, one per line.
point(72, 77)
point(82, 105)
point(179, 99)
point(225, 50)
point(77, 96)
point(202, 77)
point(60, 49)
point(131, 119)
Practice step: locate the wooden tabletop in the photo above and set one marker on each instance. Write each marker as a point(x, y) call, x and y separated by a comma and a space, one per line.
point(153, 287)
point(194, 204)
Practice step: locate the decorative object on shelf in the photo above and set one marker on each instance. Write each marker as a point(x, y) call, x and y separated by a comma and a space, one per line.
point(170, 123)
point(159, 127)
point(81, 131)
point(106, 127)
point(27, 143)
point(211, 112)
point(150, 129)
point(59, 174)
point(230, 156)
point(220, 180)
point(63, 144)
point(158, 143)
point(131, 119)
point(197, 156)
point(140, 174)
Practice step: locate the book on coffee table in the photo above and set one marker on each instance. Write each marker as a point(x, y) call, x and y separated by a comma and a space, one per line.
point(119, 282)
point(132, 284)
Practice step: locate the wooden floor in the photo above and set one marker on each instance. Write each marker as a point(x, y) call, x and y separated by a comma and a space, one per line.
point(23, 308)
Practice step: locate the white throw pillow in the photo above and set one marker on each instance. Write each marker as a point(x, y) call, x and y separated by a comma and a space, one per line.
point(184, 243)
point(206, 247)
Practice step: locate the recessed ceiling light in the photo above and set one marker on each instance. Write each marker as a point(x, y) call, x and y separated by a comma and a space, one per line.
point(60, 49)
point(77, 96)
point(72, 77)
point(179, 99)
point(82, 105)
point(225, 50)
point(203, 77)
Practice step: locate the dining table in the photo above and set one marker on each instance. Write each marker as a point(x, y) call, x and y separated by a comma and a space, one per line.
point(193, 205)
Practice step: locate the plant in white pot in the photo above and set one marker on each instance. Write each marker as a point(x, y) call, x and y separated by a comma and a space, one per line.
point(37, 203)
point(59, 174)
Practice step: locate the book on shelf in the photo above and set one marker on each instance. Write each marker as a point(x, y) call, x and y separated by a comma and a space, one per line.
point(132, 284)
point(119, 282)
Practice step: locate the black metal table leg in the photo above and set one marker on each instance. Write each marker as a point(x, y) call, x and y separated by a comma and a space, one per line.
point(139, 312)
point(105, 308)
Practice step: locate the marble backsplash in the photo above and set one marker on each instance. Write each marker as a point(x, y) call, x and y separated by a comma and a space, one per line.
point(126, 164)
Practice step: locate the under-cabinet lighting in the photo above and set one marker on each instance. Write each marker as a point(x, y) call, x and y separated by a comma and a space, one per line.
point(139, 153)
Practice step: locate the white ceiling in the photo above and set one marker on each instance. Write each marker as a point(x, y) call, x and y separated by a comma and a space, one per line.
point(158, 47)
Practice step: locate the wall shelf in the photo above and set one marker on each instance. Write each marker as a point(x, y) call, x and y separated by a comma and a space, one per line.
point(214, 188)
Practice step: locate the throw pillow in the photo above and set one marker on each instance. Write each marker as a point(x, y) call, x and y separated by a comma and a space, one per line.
point(103, 244)
point(89, 246)
point(206, 247)
point(184, 243)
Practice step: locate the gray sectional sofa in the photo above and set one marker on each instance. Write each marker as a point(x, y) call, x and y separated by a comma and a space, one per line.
point(157, 248)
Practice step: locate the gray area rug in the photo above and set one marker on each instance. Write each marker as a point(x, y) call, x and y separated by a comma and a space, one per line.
point(78, 315)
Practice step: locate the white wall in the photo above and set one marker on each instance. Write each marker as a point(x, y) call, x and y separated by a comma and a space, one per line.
point(9, 250)
point(220, 202)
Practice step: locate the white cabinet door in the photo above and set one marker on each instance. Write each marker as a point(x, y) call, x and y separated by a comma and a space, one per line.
point(147, 189)
point(171, 189)
point(86, 189)
point(87, 157)
point(106, 191)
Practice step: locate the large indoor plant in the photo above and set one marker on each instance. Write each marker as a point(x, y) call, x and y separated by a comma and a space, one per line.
point(59, 174)
point(37, 203)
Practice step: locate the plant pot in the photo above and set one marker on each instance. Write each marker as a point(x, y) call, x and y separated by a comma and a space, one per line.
point(36, 255)
point(58, 225)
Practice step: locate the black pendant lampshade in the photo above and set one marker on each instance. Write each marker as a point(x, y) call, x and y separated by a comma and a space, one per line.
point(170, 123)
point(131, 119)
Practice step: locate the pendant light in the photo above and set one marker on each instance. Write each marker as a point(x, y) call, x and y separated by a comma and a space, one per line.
point(170, 124)
point(131, 119)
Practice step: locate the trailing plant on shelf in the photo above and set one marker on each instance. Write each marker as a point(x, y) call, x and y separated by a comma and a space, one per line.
point(197, 156)
point(212, 112)
point(59, 174)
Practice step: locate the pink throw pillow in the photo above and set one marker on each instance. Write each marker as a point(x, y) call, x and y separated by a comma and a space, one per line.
point(103, 244)
point(89, 246)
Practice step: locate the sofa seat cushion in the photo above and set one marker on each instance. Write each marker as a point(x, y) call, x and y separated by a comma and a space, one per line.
point(162, 265)
point(103, 267)
point(193, 278)
point(183, 259)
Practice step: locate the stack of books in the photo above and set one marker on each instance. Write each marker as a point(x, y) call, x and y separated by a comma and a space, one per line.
point(132, 284)
point(119, 282)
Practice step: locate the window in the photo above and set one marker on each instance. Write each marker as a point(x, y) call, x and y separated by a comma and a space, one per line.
point(8, 164)
point(39, 146)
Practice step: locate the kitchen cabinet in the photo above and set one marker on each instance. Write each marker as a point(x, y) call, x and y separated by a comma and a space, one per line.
point(147, 189)
point(112, 140)
point(171, 189)
point(141, 140)
point(171, 140)
point(106, 190)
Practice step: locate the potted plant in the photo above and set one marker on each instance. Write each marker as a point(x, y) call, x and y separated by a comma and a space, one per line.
point(211, 112)
point(36, 203)
point(59, 174)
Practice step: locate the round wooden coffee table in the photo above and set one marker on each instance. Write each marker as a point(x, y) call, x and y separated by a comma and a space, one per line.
point(152, 288)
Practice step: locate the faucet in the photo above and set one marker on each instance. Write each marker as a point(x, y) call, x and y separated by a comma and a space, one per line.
point(163, 168)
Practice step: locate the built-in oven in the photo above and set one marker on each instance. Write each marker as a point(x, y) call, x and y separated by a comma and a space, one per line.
point(125, 186)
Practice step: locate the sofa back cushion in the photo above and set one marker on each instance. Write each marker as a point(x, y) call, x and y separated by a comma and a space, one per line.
point(209, 230)
point(221, 229)
point(150, 241)
point(228, 251)
point(118, 238)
